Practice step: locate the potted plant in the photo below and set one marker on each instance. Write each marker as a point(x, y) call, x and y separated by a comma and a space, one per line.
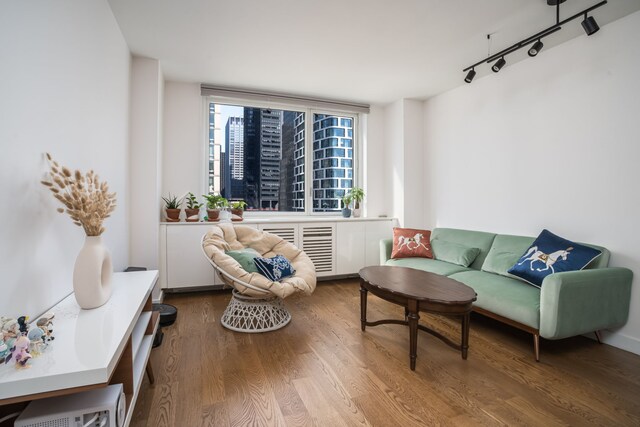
point(237, 208)
point(192, 212)
point(346, 201)
point(357, 195)
point(214, 203)
point(172, 208)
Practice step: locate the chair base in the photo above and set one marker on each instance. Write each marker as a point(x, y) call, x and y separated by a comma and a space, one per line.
point(255, 314)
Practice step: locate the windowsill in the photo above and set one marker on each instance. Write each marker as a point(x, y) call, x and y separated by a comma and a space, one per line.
point(284, 219)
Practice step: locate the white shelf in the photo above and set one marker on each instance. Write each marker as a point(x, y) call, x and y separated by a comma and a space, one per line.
point(88, 343)
point(284, 219)
point(138, 331)
point(139, 365)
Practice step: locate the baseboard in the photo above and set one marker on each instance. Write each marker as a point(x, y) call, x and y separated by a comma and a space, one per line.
point(160, 297)
point(618, 340)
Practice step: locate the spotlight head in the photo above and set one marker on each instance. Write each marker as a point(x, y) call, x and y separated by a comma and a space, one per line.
point(470, 75)
point(498, 65)
point(590, 25)
point(536, 48)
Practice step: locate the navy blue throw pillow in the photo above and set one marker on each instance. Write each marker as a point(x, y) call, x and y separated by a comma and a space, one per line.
point(274, 269)
point(550, 254)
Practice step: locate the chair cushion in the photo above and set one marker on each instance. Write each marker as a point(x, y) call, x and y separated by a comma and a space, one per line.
point(276, 268)
point(245, 258)
point(454, 252)
point(226, 236)
point(550, 254)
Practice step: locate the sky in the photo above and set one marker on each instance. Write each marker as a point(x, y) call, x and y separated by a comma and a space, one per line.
point(227, 111)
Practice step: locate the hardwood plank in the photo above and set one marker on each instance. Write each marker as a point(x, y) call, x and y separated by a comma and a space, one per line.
point(322, 370)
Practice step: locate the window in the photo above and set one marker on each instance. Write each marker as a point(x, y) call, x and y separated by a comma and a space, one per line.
point(259, 155)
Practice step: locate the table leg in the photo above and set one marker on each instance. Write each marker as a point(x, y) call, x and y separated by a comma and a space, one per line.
point(413, 332)
point(363, 306)
point(465, 335)
point(406, 314)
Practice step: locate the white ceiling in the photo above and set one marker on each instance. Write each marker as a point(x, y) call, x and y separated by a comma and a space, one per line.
point(373, 51)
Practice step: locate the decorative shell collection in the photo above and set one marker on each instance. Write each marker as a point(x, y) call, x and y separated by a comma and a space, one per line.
point(86, 199)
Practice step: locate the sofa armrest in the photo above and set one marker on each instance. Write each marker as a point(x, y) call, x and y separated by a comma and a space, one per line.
point(577, 302)
point(385, 250)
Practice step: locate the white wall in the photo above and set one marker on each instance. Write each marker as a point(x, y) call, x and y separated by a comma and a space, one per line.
point(184, 140)
point(64, 85)
point(551, 142)
point(147, 89)
point(376, 185)
point(404, 157)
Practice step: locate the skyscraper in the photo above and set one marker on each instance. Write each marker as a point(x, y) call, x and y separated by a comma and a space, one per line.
point(234, 144)
point(263, 153)
point(216, 156)
point(332, 160)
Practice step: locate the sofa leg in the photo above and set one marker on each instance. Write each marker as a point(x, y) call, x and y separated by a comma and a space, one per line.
point(598, 337)
point(536, 346)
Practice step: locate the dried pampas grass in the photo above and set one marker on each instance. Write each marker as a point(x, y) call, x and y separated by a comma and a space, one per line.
point(87, 200)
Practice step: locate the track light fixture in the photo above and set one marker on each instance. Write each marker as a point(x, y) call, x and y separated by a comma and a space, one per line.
point(536, 48)
point(498, 65)
point(470, 75)
point(588, 23)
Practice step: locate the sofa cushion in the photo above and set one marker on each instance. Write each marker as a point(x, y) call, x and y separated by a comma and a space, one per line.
point(454, 252)
point(470, 239)
point(411, 242)
point(550, 254)
point(504, 296)
point(430, 265)
point(505, 252)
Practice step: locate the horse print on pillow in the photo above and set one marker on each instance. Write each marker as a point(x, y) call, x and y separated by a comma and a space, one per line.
point(550, 254)
point(411, 243)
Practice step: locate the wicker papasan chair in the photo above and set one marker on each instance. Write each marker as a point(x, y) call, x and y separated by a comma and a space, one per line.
point(256, 302)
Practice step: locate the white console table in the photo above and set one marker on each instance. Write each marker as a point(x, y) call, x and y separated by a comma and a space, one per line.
point(92, 348)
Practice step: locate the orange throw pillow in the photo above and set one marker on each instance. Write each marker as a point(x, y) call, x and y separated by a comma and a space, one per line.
point(410, 243)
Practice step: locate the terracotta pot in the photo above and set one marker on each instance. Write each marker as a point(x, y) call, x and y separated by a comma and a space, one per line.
point(213, 214)
point(237, 212)
point(173, 215)
point(192, 215)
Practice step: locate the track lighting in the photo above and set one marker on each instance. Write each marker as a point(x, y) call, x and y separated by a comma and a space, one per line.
point(470, 75)
point(590, 25)
point(498, 65)
point(536, 48)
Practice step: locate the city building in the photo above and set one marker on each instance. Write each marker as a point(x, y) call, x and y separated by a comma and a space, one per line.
point(234, 150)
point(332, 160)
point(263, 152)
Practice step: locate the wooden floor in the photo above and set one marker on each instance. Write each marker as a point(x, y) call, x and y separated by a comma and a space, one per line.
point(322, 370)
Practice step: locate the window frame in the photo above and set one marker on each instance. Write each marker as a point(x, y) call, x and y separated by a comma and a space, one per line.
point(308, 157)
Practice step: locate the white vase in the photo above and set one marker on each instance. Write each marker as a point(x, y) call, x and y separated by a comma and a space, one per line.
point(92, 274)
point(356, 213)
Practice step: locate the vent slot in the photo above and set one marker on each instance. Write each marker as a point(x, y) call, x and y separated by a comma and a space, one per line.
point(288, 233)
point(318, 242)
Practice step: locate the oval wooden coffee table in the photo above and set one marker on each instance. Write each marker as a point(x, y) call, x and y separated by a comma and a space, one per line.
point(417, 291)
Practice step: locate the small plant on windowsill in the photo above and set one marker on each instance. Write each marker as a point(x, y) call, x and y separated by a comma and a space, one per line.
point(237, 209)
point(357, 195)
point(172, 208)
point(214, 203)
point(346, 201)
point(192, 210)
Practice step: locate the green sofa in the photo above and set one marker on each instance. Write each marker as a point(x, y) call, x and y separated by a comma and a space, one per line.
point(568, 303)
